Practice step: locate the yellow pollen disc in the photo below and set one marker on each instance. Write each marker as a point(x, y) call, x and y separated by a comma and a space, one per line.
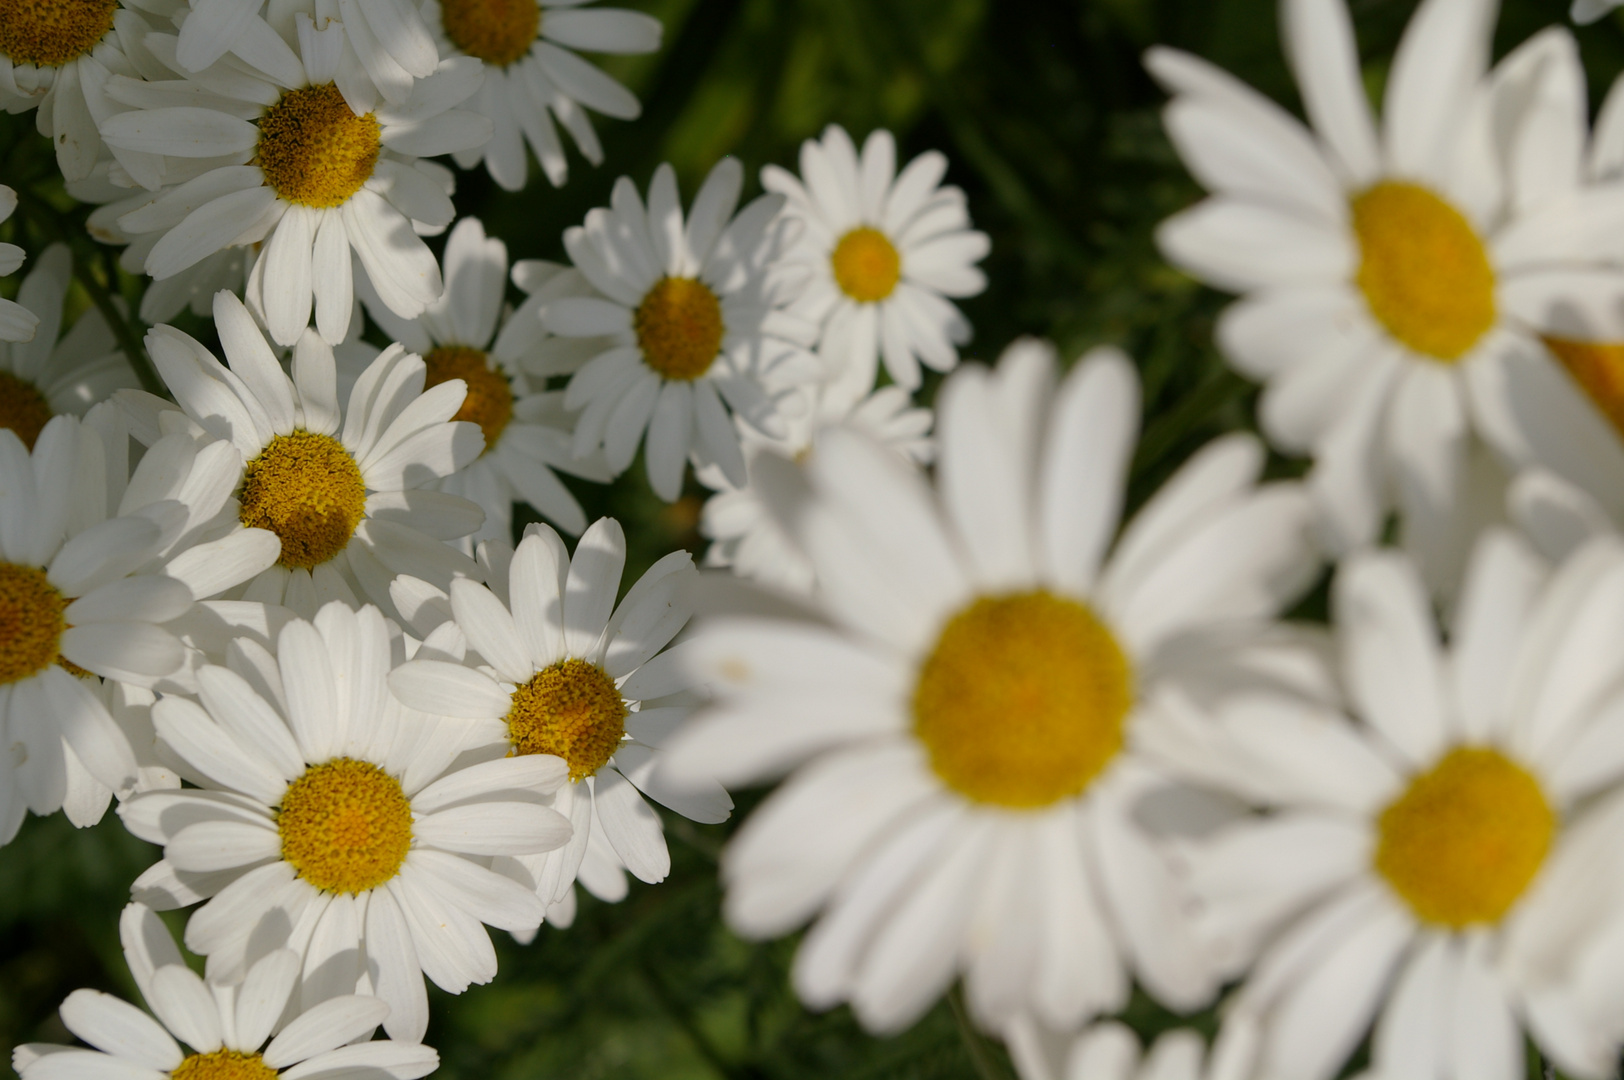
point(314, 149)
point(307, 489)
point(571, 709)
point(497, 31)
point(223, 1065)
point(1423, 270)
point(490, 396)
point(866, 265)
point(346, 826)
point(31, 622)
point(1598, 368)
point(679, 328)
point(1023, 700)
point(49, 33)
point(1463, 842)
point(23, 408)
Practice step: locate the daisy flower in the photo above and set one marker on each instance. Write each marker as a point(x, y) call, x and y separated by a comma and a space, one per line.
point(553, 668)
point(226, 1028)
point(960, 733)
point(463, 336)
point(533, 75)
point(884, 252)
point(1396, 280)
point(1437, 855)
point(17, 323)
point(284, 159)
point(335, 823)
point(1104, 1051)
point(696, 313)
point(343, 488)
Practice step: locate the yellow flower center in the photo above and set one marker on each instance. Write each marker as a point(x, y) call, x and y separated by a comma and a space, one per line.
point(497, 31)
point(23, 408)
point(1598, 368)
point(1423, 269)
point(346, 826)
point(223, 1065)
point(1466, 838)
point(866, 265)
point(571, 709)
point(1023, 700)
point(490, 396)
point(679, 328)
point(313, 149)
point(31, 622)
point(49, 33)
point(307, 489)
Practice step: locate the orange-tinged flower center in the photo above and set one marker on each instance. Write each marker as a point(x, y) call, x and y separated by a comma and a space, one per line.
point(571, 709)
point(679, 328)
point(866, 265)
point(49, 33)
point(23, 408)
point(490, 396)
point(307, 489)
point(497, 31)
point(313, 149)
point(346, 826)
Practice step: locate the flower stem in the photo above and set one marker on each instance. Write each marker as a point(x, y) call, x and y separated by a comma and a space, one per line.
point(975, 1044)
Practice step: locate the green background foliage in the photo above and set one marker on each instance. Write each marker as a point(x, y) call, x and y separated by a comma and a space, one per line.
point(1052, 129)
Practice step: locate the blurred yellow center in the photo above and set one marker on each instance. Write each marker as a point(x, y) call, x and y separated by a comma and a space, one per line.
point(346, 826)
point(1464, 841)
point(223, 1065)
point(497, 31)
point(307, 489)
point(23, 408)
point(572, 710)
point(49, 33)
point(1598, 368)
point(866, 265)
point(490, 397)
point(1423, 270)
point(679, 328)
point(313, 149)
point(1023, 700)
point(31, 622)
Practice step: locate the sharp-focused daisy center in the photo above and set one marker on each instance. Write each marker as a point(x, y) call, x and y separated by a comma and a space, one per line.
point(679, 327)
point(223, 1064)
point(571, 709)
point(346, 826)
point(1598, 368)
point(23, 409)
point(490, 397)
point(866, 265)
point(313, 149)
point(307, 489)
point(1466, 838)
point(497, 31)
point(1423, 269)
point(49, 33)
point(31, 622)
point(1023, 700)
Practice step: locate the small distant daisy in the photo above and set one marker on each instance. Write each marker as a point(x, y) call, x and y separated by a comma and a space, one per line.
point(224, 1027)
point(960, 735)
point(1105, 1051)
point(885, 252)
point(17, 323)
point(555, 668)
point(532, 75)
point(340, 825)
point(527, 432)
point(696, 313)
point(345, 489)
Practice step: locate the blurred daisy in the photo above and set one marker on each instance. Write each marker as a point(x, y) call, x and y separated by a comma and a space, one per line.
point(17, 323)
point(960, 733)
point(532, 76)
point(337, 824)
point(224, 1027)
point(696, 315)
point(885, 251)
point(1397, 281)
point(554, 668)
point(345, 489)
point(527, 433)
point(1105, 1051)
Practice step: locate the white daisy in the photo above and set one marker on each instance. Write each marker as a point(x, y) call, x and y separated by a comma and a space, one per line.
point(696, 313)
point(1439, 854)
point(1104, 1051)
point(284, 158)
point(884, 251)
point(961, 732)
point(527, 432)
point(338, 824)
point(532, 75)
point(225, 1027)
point(17, 323)
point(554, 668)
point(1396, 281)
point(345, 489)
